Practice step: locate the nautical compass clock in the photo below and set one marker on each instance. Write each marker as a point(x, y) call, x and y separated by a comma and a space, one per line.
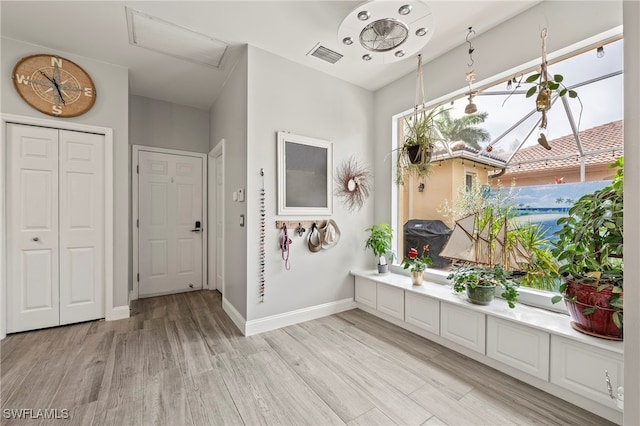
point(54, 85)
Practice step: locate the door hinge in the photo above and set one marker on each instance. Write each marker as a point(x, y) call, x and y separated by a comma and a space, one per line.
point(137, 223)
point(138, 168)
point(138, 277)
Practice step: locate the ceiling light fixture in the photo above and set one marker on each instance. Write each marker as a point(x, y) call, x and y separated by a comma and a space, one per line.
point(405, 10)
point(364, 15)
point(376, 33)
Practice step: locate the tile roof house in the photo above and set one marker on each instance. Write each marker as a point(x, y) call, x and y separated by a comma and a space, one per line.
point(600, 146)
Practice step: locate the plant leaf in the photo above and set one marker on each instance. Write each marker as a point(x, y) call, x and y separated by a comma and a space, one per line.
point(556, 299)
point(589, 310)
point(617, 319)
point(573, 94)
point(532, 78)
point(558, 78)
point(531, 91)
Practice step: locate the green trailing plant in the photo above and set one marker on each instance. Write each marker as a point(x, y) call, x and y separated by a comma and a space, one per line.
point(420, 137)
point(479, 275)
point(590, 244)
point(380, 241)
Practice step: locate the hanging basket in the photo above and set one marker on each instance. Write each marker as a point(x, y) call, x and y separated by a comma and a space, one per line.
point(418, 154)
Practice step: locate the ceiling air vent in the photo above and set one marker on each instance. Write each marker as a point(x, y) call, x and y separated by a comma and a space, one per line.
point(321, 52)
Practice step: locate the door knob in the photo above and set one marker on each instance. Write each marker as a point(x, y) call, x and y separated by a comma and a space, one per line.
point(36, 239)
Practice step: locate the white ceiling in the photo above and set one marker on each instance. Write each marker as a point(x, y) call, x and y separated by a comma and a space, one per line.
point(98, 29)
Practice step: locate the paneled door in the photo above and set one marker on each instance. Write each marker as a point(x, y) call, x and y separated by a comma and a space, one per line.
point(81, 226)
point(170, 214)
point(55, 221)
point(32, 228)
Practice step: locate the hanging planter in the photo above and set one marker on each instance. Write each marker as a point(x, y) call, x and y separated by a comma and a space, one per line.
point(420, 136)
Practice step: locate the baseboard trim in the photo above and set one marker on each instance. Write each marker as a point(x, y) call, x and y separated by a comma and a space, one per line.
point(294, 317)
point(118, 313)
point(235, 316)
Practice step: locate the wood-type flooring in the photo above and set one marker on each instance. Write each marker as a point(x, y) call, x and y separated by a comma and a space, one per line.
point(179, 360)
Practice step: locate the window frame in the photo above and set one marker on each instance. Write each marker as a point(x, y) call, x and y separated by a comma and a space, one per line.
point(528, 296)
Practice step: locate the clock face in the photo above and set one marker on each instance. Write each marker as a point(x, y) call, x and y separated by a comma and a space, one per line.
point(54, 85)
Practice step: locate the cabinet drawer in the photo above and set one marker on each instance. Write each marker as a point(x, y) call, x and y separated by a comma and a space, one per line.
point(463, 326)
point(518, 346)
point(423, 312)
point(580, 368)
point(365, 292)
point(391, 301)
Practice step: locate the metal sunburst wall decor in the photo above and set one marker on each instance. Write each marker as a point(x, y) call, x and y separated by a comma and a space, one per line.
point(354, 184)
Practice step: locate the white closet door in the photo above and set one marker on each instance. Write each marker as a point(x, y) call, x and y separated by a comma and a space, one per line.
point(169, 204)
point(81, 226)
point(32, 217)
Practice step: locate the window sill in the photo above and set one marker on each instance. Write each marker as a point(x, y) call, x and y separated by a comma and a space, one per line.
point(528, 296)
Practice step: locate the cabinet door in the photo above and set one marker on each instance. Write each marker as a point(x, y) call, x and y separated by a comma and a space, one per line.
point(365, 292)
point(32, 226)
point(81, 226)
point(581, 368)
point(524, 348)
point(391, 301)
point(423, 312)
point(463, 326)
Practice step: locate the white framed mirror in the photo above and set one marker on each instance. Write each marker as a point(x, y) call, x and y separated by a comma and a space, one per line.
point(305, 178)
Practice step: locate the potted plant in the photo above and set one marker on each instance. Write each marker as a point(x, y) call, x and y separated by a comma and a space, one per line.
point(589, 245)
point(480, 282)
point(417, 263)
point(420, 136)
point(379, 241)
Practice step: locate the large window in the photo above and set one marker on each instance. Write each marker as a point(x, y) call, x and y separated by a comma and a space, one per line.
point(502, 147)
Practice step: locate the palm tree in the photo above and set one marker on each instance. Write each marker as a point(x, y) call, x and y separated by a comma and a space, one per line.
point(463, 128)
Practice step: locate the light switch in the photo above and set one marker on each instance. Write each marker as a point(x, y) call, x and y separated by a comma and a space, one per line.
point(241, 195)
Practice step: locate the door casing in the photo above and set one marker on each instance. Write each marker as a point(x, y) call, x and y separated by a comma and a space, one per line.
point(135, 215)
point(216, 268)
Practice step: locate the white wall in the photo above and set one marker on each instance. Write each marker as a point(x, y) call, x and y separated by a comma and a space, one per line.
point(285, 96)
point(632, 204)
point(110, 110)
point(166, 125)
point(229, 121)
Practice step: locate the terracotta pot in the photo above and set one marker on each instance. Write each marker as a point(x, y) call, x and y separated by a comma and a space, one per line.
point(599, 323)
point(481, 294)
point(417, 277)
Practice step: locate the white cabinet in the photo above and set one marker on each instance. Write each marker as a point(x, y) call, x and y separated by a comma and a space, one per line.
point(463, 326)
point(423, 312)
point(581, 368)
point(391, 301)
point(365, 292)
point(519, 346)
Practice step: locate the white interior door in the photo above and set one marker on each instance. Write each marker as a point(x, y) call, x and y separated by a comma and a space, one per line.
point(81, 226)
point(169, 209)
point(32, 219)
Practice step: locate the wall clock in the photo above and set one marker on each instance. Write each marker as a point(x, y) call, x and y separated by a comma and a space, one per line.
point(54, 85)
